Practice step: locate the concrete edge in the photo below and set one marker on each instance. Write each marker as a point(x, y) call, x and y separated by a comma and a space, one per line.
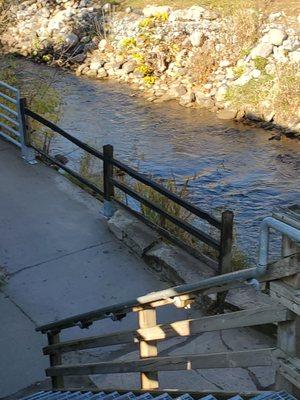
point(170, 262)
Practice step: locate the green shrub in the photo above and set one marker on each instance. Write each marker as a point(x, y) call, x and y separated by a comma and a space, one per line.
point(260, 63)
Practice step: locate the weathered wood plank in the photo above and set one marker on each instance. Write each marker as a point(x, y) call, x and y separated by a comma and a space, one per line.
point(147, 319)
point(251, 317)
point(286, 295)
point(55, 359)
point(248, 358)
point(290, 369)
point(288, 332)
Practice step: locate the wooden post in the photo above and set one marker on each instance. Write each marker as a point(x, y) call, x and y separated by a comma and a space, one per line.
point(225, 256)
point(288, 332)
point(55, 359)
point(108, 154)
point(147, 319)
point(22, 106)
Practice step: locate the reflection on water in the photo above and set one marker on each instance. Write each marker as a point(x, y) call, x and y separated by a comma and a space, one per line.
point(232, 165)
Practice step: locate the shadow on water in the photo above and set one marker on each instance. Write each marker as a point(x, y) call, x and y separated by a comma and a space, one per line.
point(233, 166)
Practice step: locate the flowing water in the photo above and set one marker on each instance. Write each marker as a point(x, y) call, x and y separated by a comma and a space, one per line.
point(230, 165)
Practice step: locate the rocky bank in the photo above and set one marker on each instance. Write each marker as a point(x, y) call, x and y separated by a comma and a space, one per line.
point(243, 66)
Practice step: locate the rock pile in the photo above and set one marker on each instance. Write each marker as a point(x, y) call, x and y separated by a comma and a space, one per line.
point(192, 55)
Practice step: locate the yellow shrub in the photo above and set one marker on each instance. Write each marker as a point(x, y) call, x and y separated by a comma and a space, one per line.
point(128, 42)
point(146, 22)
point(145, 69)
point(149, 80)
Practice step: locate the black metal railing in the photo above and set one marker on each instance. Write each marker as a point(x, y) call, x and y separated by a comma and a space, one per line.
point(223, 245)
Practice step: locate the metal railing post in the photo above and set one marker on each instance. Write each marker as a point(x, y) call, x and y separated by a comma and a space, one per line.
point(28, 153)
point(108, 186)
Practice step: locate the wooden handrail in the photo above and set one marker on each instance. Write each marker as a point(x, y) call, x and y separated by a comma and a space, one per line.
point(234, 359)
point(191, 327)
point(215, 284)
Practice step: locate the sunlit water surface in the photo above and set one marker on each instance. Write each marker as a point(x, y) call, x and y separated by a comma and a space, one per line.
point(229, 165)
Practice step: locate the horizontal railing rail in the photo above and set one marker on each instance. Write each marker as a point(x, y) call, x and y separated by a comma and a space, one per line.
point(150, 333)
point(223, 245)
point(63, 133)
point(215, 284)
point(191, 327)
point(12, 120)
point(10, 117)
point(236, 359)
point(172, 196)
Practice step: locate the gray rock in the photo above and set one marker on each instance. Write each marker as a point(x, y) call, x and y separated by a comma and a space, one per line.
point(178, 91)
point(295, 56)
point(221, 94)
point(226, 114)
point(187, 99)
point(129, 66)
point(196, 38)
point(102, 73)
point(275, 37)
point(91, 73)
point(95, 65)
point(151, 11)
point(79, 58)
point(262, 50)
point(70, 39)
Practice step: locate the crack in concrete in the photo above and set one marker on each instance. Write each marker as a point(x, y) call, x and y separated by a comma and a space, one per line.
point(19, 308)
point(209, 381)
point(224, 343)
point(176, 346)
point(12, 274)
point(256, 382)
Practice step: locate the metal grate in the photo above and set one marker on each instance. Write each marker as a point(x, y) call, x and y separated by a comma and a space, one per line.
point(49, 395)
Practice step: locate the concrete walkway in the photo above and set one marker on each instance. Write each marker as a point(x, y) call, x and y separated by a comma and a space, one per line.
point(62, 260)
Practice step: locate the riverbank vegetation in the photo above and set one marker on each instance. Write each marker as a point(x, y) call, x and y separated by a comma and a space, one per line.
point(41, 96)
point(234, 57)
point(226, 7)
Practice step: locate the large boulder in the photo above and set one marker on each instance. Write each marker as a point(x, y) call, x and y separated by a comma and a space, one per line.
point(194, 13)
point(152, 11)
point(275, 37)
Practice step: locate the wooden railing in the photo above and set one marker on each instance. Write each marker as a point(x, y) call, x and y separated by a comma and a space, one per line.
point(285, 314)
point(223, 244)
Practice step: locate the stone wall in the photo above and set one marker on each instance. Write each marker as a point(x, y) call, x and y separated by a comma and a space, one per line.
point(241, 67)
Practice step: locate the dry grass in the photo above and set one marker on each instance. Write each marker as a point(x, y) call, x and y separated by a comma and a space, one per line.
point(286, 91)
point(41, 97)
point(204, 63)
point(290, 7)
point(282, 91)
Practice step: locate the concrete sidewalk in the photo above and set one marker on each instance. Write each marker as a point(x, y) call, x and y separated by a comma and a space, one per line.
point(62, 260)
